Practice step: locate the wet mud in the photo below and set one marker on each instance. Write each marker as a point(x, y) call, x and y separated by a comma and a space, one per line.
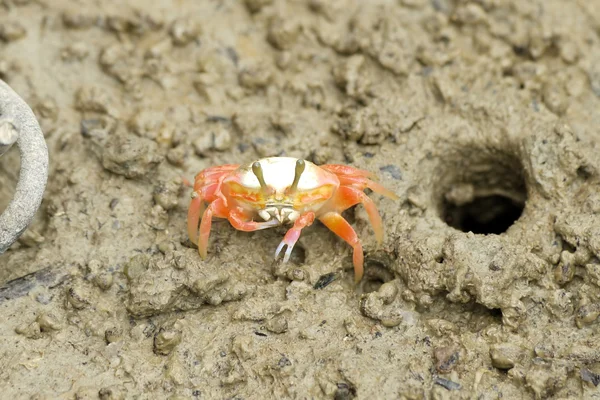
point(481, 115)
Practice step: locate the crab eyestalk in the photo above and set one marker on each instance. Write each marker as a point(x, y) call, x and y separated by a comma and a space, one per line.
point(257, 169)
point(300, 165)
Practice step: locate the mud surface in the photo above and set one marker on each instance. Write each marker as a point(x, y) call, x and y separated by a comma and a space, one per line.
point(481, 115)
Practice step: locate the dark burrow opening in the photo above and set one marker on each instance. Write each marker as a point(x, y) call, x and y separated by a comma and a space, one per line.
point(481, 190)
point(375, 275)
point(485, 215)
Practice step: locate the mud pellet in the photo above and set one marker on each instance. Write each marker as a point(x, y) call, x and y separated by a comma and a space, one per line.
point(12, 31)
point(48, 322)
point(543, 351)
point(103, 280)
point(165, 341)
point(391, 320)
point(446, 358)
point(29, 330)
point(587, 314)
point(112, 335)
point(283, 33)
point(297, 274)
point(278, 324)
point(387, 292)
point(76, 298)
point(115, 392)
point(345, 391)
point(255, 6)
point(184, 31)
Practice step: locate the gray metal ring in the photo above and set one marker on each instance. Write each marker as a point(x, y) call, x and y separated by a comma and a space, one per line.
point(18, 123)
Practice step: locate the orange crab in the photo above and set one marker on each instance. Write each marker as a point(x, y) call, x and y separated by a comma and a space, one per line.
point(281, 191)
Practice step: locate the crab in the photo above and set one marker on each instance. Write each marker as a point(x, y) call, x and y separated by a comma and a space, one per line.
point(283, 191)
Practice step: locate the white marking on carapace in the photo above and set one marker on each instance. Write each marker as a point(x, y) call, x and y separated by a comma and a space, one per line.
point(279, 174)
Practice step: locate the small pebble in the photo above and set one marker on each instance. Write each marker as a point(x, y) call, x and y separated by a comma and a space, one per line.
point(589, 376)
point(505, 355)
point(447, 384)
point(325, 280)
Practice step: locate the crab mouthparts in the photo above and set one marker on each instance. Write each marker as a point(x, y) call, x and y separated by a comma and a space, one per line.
point(281, 214)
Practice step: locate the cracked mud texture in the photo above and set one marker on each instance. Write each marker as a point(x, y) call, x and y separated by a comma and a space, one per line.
point(481, 115)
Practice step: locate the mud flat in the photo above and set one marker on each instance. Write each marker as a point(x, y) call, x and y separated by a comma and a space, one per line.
point(481, 115)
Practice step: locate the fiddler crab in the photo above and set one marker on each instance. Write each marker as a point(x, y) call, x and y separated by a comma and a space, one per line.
point(283, 191)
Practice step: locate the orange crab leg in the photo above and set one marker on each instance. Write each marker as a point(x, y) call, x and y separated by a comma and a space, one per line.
point(347, 196)
point(215, 209)
point(357, 177)
point(362, 183)
point(293, 234)
point(346, 170)
point(207, 176)
point(196, 209)
point(194, 212)
point(338, 225)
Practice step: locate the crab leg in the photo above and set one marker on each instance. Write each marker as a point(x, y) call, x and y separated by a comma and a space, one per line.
point(194, 212)
point(347, 196)
point(350, 176)
point(362, 183)
point(196, 209)
point(202, 177)
point(338, 225)
point(347, 170)
point(292, 235)
point(216, 208)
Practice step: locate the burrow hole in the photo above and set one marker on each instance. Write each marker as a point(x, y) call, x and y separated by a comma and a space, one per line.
point(376, 274)
point(481, 191)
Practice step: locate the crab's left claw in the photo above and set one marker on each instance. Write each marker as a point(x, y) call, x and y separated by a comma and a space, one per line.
point(293, 234)
point(289, 240)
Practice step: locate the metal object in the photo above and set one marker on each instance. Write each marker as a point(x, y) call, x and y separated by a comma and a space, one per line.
point(18, 124)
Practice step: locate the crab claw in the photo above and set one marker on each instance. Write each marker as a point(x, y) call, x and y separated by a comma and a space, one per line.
point(293, 234)
point(289, 240)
